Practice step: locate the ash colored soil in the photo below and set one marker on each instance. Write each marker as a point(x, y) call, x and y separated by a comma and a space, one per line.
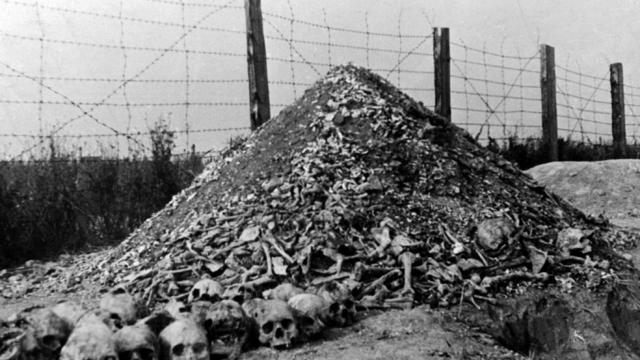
point(610, 188)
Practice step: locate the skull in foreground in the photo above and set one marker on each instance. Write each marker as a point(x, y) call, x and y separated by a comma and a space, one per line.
point(342, 306)
point(274, 320)
point(207, 290)
point(45, 335)
point(119, 308)
point(284, 292)
point(311, 312)
point(184, 340)
point(136, 342)
point(227, 329)
point(91, 339)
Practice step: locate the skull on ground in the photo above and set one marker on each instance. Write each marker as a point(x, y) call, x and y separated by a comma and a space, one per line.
point(90, 339)
point(238, 293)
point(184, 340)
point(177, 309)
point(227, 328)
point(311, 313)
point(206, 289)
point(70, 312)
point(136, 342)
point(284, 292)
point(198, 311)
point(45, 335)
point(119, 307)
point(342, 306)
point(275, 322)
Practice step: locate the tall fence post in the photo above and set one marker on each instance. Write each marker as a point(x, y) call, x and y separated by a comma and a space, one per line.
point(617, 111)
point(257, 65)
point(442, 71)
point(548, 96)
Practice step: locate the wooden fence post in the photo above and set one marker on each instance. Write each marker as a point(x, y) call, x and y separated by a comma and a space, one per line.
point(548, 96)
point(257, 65)
point(442, 71)
point(617, 111)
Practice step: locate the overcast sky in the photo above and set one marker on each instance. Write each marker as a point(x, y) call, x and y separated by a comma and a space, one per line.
point(88, 50)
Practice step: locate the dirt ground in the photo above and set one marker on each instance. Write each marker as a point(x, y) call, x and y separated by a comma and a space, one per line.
point(466, 332)
point(610, 188)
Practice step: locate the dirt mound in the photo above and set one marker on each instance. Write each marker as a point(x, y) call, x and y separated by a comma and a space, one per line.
point(359, 184)
point(608, 188)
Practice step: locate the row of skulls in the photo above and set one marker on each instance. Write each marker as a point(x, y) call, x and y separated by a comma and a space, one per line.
point(208, 325)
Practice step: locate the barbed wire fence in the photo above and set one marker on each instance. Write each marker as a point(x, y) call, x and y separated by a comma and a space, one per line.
point(187, 65)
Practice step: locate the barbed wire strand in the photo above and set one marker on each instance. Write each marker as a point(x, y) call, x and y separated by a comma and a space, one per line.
point(324, 19)
point(129, 18)
point(486, 87)
point(504, 89)
point(117, 89)
point(399, 45)
point(292, 70)
point(367, 35)
point(71, 102)
point(125, 63)
point(187, 74)
point(303, 59)
point(41, 69)
point(397, 66)
point(521, 91)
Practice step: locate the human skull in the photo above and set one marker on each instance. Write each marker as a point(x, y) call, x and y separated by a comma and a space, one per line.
point(284, 292)
point(46, 334)
point(206, 289)
point(311, 312)
point(177, 308)
point(275, 322)
point(227, 328)
point(70, 312)
point(90, 339)
point(119, 308)
point(198, 311)
point(136, 342)
point(156, 321)
point(184, 340)
point(238, 293)
point(342, 307)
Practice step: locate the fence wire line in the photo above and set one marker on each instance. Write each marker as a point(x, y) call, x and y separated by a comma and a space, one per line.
point(41, 70)
point(338, 29)
point(129, 18)
point(578, 113)
point(125, 61)
point(114, 91)
point(496, 87)
point(492, 112)
point(304, 60)
point(132, 134)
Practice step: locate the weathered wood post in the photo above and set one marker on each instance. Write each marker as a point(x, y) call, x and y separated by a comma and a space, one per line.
point(442, 71)
point(257, 65)
point(548, 96)
point(617, 111)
